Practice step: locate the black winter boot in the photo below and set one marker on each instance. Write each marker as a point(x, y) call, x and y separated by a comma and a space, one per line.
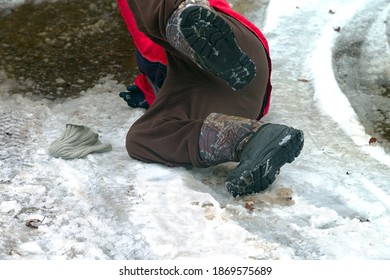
point(261, 149)
point(271, 147)
point(200, 33)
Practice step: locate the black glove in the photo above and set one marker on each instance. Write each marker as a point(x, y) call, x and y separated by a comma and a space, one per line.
point(134, 97)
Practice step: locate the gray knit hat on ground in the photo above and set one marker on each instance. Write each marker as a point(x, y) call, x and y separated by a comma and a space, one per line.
point(77, 142)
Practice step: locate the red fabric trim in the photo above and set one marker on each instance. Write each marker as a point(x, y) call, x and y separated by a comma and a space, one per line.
point(148, 49)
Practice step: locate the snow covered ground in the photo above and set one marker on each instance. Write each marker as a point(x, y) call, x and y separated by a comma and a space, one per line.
point(109, 206)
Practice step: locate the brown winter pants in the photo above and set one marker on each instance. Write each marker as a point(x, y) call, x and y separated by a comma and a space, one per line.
point(168, 132)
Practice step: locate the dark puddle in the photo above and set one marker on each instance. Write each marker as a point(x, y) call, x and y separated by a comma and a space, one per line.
point(58, 49)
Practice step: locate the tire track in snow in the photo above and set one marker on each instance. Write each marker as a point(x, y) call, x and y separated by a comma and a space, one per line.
point(361, 60)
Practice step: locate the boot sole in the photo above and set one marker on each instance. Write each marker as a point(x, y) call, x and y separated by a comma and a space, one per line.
point(263, 157)
point(215, 46)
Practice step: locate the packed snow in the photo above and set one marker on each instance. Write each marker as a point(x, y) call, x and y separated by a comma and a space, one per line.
point(332, 202)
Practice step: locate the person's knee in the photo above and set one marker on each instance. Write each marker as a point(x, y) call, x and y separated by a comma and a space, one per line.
point(132, 142)
point(139, 146)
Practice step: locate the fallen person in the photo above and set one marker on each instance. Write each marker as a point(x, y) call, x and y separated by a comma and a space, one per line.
point(216, 88)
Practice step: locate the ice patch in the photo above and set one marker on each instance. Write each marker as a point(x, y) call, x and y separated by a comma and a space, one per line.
point(109, 206)
point(31, 247)
point(8, 206)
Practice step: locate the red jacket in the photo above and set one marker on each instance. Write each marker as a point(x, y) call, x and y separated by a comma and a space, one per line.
point(155, 53)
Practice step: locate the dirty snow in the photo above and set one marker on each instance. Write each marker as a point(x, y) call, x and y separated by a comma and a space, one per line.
point(333, 202)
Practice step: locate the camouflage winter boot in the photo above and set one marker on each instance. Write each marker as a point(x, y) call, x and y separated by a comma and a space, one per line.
point(261, 149)
point(198, 32)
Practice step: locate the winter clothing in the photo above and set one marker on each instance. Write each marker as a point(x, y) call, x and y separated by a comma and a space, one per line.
point(148, 49)
point(151, 58)
point(169, 130)
point(77, 142)
point(205, 37)
point(154, 53)
point(261, 149)
point(222, 137)
point(262, 156)
point(154, 71)
point(197, 118)
point(134, 97)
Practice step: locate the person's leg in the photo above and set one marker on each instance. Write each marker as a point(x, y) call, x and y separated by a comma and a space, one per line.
point(170, 132)
point(262, 149)
point(197, 32)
